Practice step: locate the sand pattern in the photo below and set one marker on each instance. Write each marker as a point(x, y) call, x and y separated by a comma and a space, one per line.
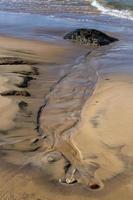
point(74, 130)
point(84, 141)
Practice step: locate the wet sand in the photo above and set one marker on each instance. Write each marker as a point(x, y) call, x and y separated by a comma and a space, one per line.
point(104, 134)
point(29, 69)
point(82, 131)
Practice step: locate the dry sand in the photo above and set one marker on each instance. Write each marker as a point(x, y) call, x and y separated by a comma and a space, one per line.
point(99, 147)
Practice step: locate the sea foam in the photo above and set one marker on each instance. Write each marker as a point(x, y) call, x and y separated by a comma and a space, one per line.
point(114, 12)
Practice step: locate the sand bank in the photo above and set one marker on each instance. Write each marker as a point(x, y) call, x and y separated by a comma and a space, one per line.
point(21, 61)
point(89, 136)
point(99, 146)
point(104, 134)
point(28, 70)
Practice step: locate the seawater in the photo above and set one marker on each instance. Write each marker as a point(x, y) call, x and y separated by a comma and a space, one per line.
point(42, 26)
point(119, 8)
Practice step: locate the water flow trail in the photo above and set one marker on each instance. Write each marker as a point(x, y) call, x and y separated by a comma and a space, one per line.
point(60, 114)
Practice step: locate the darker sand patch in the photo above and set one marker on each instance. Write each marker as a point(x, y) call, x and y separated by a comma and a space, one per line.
point(16, 93)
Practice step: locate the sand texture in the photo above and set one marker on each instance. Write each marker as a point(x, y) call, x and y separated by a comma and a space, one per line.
point(65, 129)
point(105, 131)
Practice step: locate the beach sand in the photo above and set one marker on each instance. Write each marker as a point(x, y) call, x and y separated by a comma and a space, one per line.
point(104, 134)
point(100, 140)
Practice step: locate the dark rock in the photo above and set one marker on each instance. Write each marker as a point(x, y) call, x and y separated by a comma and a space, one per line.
point(16, 93)
point(90, 37)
